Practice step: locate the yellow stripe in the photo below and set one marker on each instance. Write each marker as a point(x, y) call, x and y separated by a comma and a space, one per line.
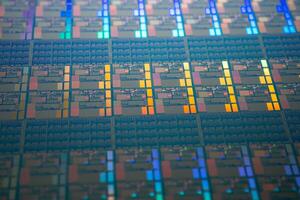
point(232, 106)
point(106, 85)
point(267, 79)
point(147, 84)
point(187, 82)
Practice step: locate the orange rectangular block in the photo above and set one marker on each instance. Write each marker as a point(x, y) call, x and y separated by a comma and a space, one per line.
point(186, 109)
point(297, 24)
point(58, 114)
point(108, 112)
point(31, 111)
point(188, 29)
point(149, 9)
point(33, 84)
point(66, 86)
point(108, 94)
point(193, 109)
point(191, 100)
point(284, 102)
point(269, 106)
point(25, 176)
point(108, 103)
point(75, 84)
point(166, 169)
point(276, 106)
point(262, 27)
point(107, 77)
point(227, 108)
point(212, 167)
point(202, 107)
point(184, 8)
point(73, 173)
point(225, 28)
point(67, 69)
point(151, 30)
point(258, 167)
point(65, 113)
point(114, 31)
point(75, 109)
point(67, 78)
point(268, 187)
point(39, 11)
point(120, 171)
point(76, 10)
point(113, 10)
point(151, 110)
point(38, 32)
point(117, 109)
point(107, 84)
point(234, 108)
point(107, 69)
point(232, 99)
point(2, 11)
point(144, 110)
point(160, 108)
point(76, 32)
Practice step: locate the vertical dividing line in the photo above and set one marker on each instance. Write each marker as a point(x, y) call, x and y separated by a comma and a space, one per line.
point(104, 14)
point(141, 13)
point(212, 10)
point(149, 109)
point(200, 130)
point(23, 87)
point(248, 10)
point(266, 79)
point(188, 83)
point(232, 106)
point(177, 13)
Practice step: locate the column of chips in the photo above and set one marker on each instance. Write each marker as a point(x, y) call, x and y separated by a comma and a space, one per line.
point(188, 83)
point(110, 175)
point(227, 81)
point(104, 13)
point(66, 88)
point(30, 18)
point(141, 13)
point(213, 12)
point(247, 9)
point(147, 84)
point(177, 13)
point(106, 85)
point(247, 171)
point(284, 9)
point(21, 113)
point(201, 172)
point(292, 169)
point(158, 188)
point(266, 79)
point(68, 15)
